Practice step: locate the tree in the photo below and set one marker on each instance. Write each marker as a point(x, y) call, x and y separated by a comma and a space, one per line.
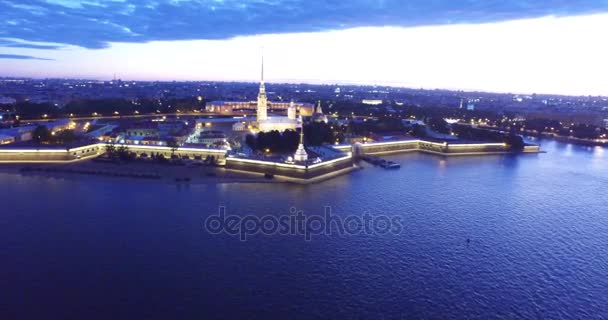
point(274, 141)
point(123, 153)
point(438, 124)
point(318, 133)
point(111, 150)
point(251, 141)
point(173, 144)
point(419, 131)
point(515, 142)
point(65, 136)
point(41, 134)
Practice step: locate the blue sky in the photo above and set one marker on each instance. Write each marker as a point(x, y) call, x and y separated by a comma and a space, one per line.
point(221, 40)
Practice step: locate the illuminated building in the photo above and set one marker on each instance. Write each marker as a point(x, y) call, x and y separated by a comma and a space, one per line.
point(318, 116)
point(372, 102)
point(241, 107)
point(6, 139)
point(267, 123)
point(262, 106)
point(264, 122)
point(292, 111)
point(262, 103)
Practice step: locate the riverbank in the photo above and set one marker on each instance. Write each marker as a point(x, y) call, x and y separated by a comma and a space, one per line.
point(164, 173)
point(556, 137)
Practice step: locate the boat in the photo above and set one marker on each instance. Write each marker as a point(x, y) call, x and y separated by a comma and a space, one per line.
point(390, 165)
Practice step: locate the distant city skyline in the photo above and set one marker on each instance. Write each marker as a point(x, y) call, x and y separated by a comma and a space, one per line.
point(543, 49)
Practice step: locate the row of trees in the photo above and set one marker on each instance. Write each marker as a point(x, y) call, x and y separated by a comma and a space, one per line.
point(42, 135)
point(122, 153)
point(382, 125)
point(274, 141)
point(119, 153)
point(583, 131)
point(315, 134)
point(318, 133)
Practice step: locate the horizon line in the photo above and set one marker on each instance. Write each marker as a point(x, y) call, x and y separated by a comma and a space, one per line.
point(311, 82)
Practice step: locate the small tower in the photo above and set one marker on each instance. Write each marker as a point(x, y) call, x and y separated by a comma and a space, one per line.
point(262, 107)
point(301, 155)
point(291, 111)
point(318, 115)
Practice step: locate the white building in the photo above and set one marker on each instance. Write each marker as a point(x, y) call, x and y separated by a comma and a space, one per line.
point(319, 116)
point(292, 111)
point(18, 134)
point(372, 102)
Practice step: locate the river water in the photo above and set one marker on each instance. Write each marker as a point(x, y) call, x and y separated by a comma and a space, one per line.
point(483, 237)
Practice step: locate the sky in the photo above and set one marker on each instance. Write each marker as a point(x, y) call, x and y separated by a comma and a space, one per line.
point(519, 46)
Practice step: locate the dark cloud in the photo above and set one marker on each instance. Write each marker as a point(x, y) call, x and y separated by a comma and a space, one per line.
point(95, 23)
point(20, 57)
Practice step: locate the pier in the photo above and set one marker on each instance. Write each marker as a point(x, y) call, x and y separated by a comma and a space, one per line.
point(376, 161)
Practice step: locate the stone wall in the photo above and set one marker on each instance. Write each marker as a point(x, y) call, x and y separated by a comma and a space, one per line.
point(431, 147)
point(291, 171)
point(219, 155)
point(49, 154)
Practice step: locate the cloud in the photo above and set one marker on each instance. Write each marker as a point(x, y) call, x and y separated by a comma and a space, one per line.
point(9, 43)
point(95, 23)
point(20, 57)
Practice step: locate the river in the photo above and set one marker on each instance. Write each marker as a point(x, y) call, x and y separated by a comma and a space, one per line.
point(483, 237)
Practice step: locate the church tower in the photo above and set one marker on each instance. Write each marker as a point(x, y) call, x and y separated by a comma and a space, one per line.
point(262, 110)
point(291, 111)
point(318, 115)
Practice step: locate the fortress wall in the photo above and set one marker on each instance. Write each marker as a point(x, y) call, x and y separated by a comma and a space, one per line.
point(287, 170)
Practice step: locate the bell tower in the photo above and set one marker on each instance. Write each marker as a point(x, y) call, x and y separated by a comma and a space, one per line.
point(262, 106)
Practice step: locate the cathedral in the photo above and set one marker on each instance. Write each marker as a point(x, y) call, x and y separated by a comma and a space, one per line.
point(266, 123)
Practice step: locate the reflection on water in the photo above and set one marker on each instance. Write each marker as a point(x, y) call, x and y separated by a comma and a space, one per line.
point(598, 152)
point(509, 236)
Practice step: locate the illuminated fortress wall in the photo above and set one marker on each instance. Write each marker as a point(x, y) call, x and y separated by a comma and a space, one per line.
point(58, 154)
point(431, 147)
point(290, 170)
point(49, 155)
point(192, 153)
